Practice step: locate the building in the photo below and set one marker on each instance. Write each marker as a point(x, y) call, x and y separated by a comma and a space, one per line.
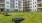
point(20, 5)
point(16, 5)
point(2, 5)
point(39, 5)
point(11, 5)
point(7, 5)
point(33, 5)
point(25, 5)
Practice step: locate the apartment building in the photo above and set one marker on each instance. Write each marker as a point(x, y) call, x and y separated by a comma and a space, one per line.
point(7, 5)
point(33, 5)
point(39, 5)
point(11, 5)
point(25, 5)
point(20, 5)
point(16, 5)
point(2, 5)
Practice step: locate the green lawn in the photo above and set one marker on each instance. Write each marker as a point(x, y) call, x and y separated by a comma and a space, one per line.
point(33, 17)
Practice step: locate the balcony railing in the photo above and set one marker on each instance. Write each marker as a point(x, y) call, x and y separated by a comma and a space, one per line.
point(39, 7)
point(39, 2)
point(27, 3)
point(2, 6)
point(2, 2)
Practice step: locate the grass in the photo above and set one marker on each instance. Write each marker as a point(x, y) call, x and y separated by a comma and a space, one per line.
point(30, 17)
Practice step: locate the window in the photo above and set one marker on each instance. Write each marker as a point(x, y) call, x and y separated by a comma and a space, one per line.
point(38, 0)
point(13, 6)
point(12, 0)
point(16, 10)
point(33, 2)
point(16, 0)
point(16, 3)
point(35, 9)
point(16, 6)
point(7, 10)
point(7, 2)
point(30, 0)
point(35, 5)
point(7, 6)
point(30, 6)
point(23, 0)
point(30, 3)
point(21, 7)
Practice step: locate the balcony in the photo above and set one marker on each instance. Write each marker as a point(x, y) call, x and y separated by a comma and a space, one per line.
point(23, 1)
point(27, 3)
point(38, 2)
point(39, 6)
point(2, 7)
point(2, 2)
point(41, 2)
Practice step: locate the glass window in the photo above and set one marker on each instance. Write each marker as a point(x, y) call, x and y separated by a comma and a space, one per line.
point(35, 5)
point(30, 0)
point(12, 0)
point(13, 6)
point(7, 10)
point(39, 0)
point(35, 2)
point(16, 6)
point(16, 0)
point(16, 10)
point(23, 0)
point(30, 3)
point(16, 3)
point(7, 6)
point(30, 6)
point(35, 9)
point(7, 2)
